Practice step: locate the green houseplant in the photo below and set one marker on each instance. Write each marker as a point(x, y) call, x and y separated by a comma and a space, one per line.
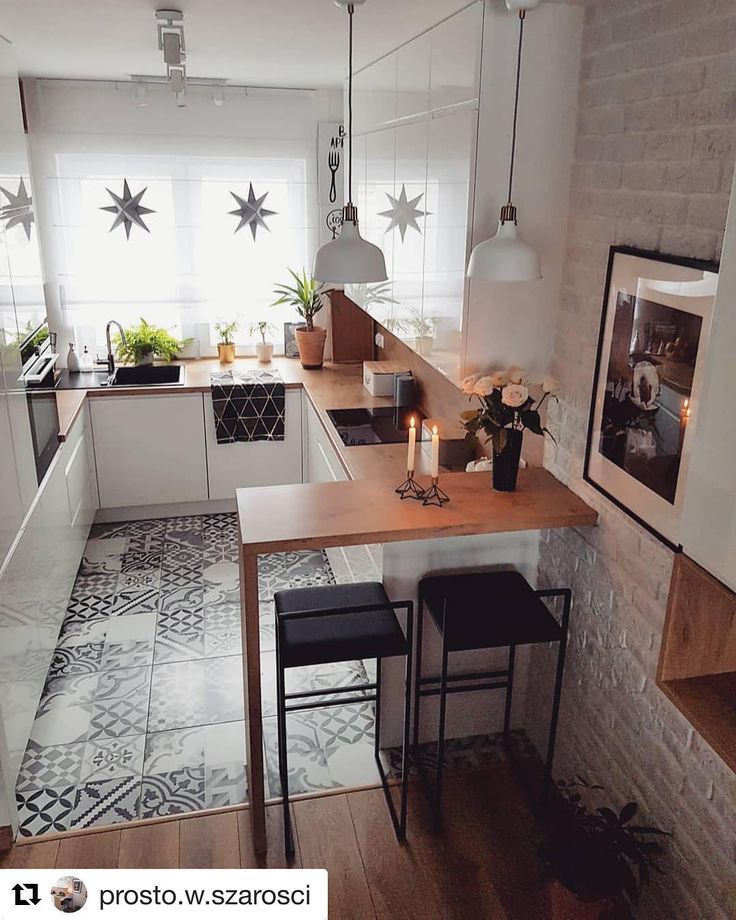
point(264, 349)
point(596, 858)
point(307, 296)
point(145, 341)
point(226, 340)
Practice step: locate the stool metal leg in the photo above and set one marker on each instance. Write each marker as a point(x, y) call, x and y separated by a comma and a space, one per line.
point(558, 684)
point(283, 753)
point(418, 680)
point(509, 691)
point(441, 727)
point(407, 718)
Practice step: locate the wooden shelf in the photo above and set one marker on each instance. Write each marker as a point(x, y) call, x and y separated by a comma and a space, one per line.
point(709, 705)
point(697, 662)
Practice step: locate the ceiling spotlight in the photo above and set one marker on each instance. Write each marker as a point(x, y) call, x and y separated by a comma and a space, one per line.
point(176, 79)
point(170, 29)
point(218, 96)
point(141, 95)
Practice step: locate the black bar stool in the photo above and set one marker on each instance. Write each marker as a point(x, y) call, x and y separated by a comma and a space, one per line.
point(331, 623)
point(486, 610)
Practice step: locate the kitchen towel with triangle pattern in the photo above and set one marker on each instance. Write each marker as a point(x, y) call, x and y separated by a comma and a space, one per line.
point(248, 405)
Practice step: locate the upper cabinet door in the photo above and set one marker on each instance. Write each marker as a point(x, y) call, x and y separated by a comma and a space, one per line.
point(22, 306)
point(417, 117)
point(708, 528)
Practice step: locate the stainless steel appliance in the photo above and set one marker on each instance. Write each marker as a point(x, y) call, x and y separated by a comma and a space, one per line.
point(39, 376)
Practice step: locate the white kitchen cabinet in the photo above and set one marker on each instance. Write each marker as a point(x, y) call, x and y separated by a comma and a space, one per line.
point(36, 583)
point(260, 463)
point(149, 450)
point(708, 528)
point(321, 462)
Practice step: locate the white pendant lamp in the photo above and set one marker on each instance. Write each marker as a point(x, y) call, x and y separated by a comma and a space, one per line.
point(349, 259)
point(506, 256)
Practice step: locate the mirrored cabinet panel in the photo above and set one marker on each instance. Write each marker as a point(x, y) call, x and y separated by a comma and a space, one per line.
point(414, 158)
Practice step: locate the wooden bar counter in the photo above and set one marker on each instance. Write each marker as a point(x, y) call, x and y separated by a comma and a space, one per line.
point(320, 515)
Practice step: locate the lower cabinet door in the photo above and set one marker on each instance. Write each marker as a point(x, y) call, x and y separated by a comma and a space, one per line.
point(257, 463)
point(149, 450)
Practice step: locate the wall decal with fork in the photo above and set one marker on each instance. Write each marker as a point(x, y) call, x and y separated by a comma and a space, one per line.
point(331, 167)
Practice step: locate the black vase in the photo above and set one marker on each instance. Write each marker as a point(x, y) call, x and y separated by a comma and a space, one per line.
point(506, 463)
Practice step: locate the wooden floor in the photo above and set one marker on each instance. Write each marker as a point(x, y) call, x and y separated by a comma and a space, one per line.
point(481, 866)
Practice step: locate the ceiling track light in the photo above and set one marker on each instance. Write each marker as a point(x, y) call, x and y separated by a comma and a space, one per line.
point(506, 256)
point(170, 31)
point(349, 259)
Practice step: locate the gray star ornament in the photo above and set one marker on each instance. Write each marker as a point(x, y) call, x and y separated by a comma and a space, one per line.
point(128, 209)
point(251, 212)
point(19, 209)
point(403, 212)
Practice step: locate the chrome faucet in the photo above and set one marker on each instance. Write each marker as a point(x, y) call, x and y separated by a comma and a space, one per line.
point(110, 356)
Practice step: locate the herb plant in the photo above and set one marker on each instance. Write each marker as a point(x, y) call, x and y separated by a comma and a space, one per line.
point(145, 338)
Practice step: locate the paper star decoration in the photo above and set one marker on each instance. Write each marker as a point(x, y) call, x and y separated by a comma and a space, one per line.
point(128, 210)
point(19, 209)
point(403, 213)
point(251, 212)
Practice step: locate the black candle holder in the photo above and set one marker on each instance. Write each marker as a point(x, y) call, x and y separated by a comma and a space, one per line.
point(434, 495)
point(410, 488)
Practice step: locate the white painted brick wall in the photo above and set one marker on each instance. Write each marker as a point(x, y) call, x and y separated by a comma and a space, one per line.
point(653, 165)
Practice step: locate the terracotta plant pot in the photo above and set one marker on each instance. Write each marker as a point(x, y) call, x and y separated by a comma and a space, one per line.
point(226, 353)
point(564, 905)
point(311, 346)
point(264, 352)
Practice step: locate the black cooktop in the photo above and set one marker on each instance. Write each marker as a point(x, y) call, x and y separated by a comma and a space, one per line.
point(384, 425)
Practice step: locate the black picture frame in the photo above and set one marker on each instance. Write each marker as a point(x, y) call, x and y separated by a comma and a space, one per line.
point(697, 265)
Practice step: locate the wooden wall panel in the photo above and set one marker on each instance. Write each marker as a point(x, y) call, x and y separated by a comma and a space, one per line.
point(700, 630)
point(352, 331)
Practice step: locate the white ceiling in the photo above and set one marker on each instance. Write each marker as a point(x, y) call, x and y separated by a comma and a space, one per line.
point(267, 42)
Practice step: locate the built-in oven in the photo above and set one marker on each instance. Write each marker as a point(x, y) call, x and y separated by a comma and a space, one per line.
point(39, 376)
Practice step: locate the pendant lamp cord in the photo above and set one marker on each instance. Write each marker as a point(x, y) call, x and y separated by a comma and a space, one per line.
point(351, 10)
point(522, 16)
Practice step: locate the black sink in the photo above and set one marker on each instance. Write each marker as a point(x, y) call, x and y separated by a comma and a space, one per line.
point(149, 375)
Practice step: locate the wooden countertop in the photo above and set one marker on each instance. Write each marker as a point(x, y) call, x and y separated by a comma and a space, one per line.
point(336, 386)
point(316, 515)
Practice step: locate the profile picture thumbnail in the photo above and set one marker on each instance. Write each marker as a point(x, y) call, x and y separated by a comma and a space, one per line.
point(69, 894)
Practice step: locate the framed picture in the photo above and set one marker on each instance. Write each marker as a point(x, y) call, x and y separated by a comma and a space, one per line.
point(291, 349)
point(652, 348)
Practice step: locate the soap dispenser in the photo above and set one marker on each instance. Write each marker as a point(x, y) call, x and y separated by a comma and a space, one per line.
point(72, 361)
point(86, 365)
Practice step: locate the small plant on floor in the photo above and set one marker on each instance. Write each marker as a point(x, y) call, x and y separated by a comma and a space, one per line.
point(596, 853)
point(145, 341)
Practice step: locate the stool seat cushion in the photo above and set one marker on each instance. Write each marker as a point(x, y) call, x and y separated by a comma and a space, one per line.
point(488, 610)
point(342, 637)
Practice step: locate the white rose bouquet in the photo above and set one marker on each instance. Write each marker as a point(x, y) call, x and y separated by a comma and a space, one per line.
point(505, 405)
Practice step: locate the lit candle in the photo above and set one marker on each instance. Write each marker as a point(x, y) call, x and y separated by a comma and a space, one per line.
point(686, 408)
point(412, 445)
point(435, 453)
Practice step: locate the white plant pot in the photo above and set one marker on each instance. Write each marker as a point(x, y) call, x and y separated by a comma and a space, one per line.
point(264, 352)
point(145, 359)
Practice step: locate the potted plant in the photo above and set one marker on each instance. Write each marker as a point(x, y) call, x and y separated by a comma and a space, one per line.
point(595, 858)
point(145, 341)
point(264, 349)
point(226, 341)
point(506, 409)
point(307, 297)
